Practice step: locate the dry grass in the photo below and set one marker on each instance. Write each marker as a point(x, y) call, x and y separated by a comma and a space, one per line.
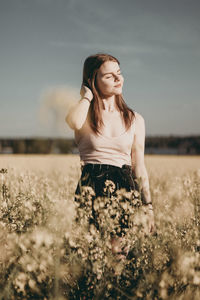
point(45, 254)
point(159, 164)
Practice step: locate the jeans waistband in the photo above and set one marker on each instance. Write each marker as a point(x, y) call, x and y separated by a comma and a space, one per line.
point(104, 167)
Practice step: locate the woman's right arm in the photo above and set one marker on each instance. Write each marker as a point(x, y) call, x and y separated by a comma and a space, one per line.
point(78, 113)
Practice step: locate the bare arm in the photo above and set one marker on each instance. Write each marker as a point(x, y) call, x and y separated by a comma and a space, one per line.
point(78, 113)
point(137, 155)
point(138, 165)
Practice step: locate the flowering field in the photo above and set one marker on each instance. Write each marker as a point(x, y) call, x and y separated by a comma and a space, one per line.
point(48, 250)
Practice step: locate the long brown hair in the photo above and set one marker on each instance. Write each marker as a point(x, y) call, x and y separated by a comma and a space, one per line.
point(90, 69)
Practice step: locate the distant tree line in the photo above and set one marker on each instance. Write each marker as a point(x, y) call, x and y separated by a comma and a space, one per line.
point(37, 145)
point(180, 145)
point(155, 145)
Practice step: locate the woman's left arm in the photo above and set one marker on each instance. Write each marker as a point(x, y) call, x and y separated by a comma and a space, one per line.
point(139, 168)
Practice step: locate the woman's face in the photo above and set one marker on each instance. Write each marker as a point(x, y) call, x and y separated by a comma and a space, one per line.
point(109, 79)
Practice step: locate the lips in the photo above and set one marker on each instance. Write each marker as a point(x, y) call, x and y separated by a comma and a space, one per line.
point(119, 85)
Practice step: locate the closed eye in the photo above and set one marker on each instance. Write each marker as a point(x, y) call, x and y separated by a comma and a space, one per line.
point(112, 75)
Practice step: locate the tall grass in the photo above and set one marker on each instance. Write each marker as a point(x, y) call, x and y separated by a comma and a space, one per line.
point(49, 250)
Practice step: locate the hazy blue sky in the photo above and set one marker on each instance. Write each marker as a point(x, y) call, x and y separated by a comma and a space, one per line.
point(43, 44)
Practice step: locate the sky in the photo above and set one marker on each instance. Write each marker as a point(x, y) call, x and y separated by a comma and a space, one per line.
point(43, 45)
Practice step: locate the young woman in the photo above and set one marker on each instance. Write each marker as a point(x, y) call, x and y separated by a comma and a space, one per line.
point(109, 135)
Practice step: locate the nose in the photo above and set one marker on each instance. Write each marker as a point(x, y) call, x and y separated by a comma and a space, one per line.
point(117, 77)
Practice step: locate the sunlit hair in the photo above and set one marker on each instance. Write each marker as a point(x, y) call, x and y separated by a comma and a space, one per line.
point(90, 69)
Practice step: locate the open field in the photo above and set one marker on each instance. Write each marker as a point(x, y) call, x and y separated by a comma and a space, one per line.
point(161, 164)
point(156, 164)
point(45, 254)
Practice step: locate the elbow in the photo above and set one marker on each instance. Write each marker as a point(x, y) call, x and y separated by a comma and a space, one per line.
point(73, 124)
point(67, 120)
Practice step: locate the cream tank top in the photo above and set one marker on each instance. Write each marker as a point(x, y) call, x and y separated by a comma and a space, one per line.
point(99, 149)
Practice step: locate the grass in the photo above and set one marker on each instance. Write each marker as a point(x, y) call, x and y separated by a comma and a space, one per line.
point(45, 254)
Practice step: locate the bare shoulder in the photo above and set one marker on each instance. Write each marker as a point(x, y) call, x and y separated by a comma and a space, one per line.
point(139, 120)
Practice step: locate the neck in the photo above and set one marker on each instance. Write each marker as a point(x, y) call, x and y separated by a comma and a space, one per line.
point(109, 104)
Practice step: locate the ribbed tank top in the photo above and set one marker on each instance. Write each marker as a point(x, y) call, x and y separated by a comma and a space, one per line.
point(101, 149)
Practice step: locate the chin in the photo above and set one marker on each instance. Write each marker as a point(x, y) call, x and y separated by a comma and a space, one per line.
point(119, 92)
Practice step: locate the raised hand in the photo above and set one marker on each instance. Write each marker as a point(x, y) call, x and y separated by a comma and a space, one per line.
point(86, 92)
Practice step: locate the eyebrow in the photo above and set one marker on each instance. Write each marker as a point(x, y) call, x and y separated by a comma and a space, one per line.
point(110, 72)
